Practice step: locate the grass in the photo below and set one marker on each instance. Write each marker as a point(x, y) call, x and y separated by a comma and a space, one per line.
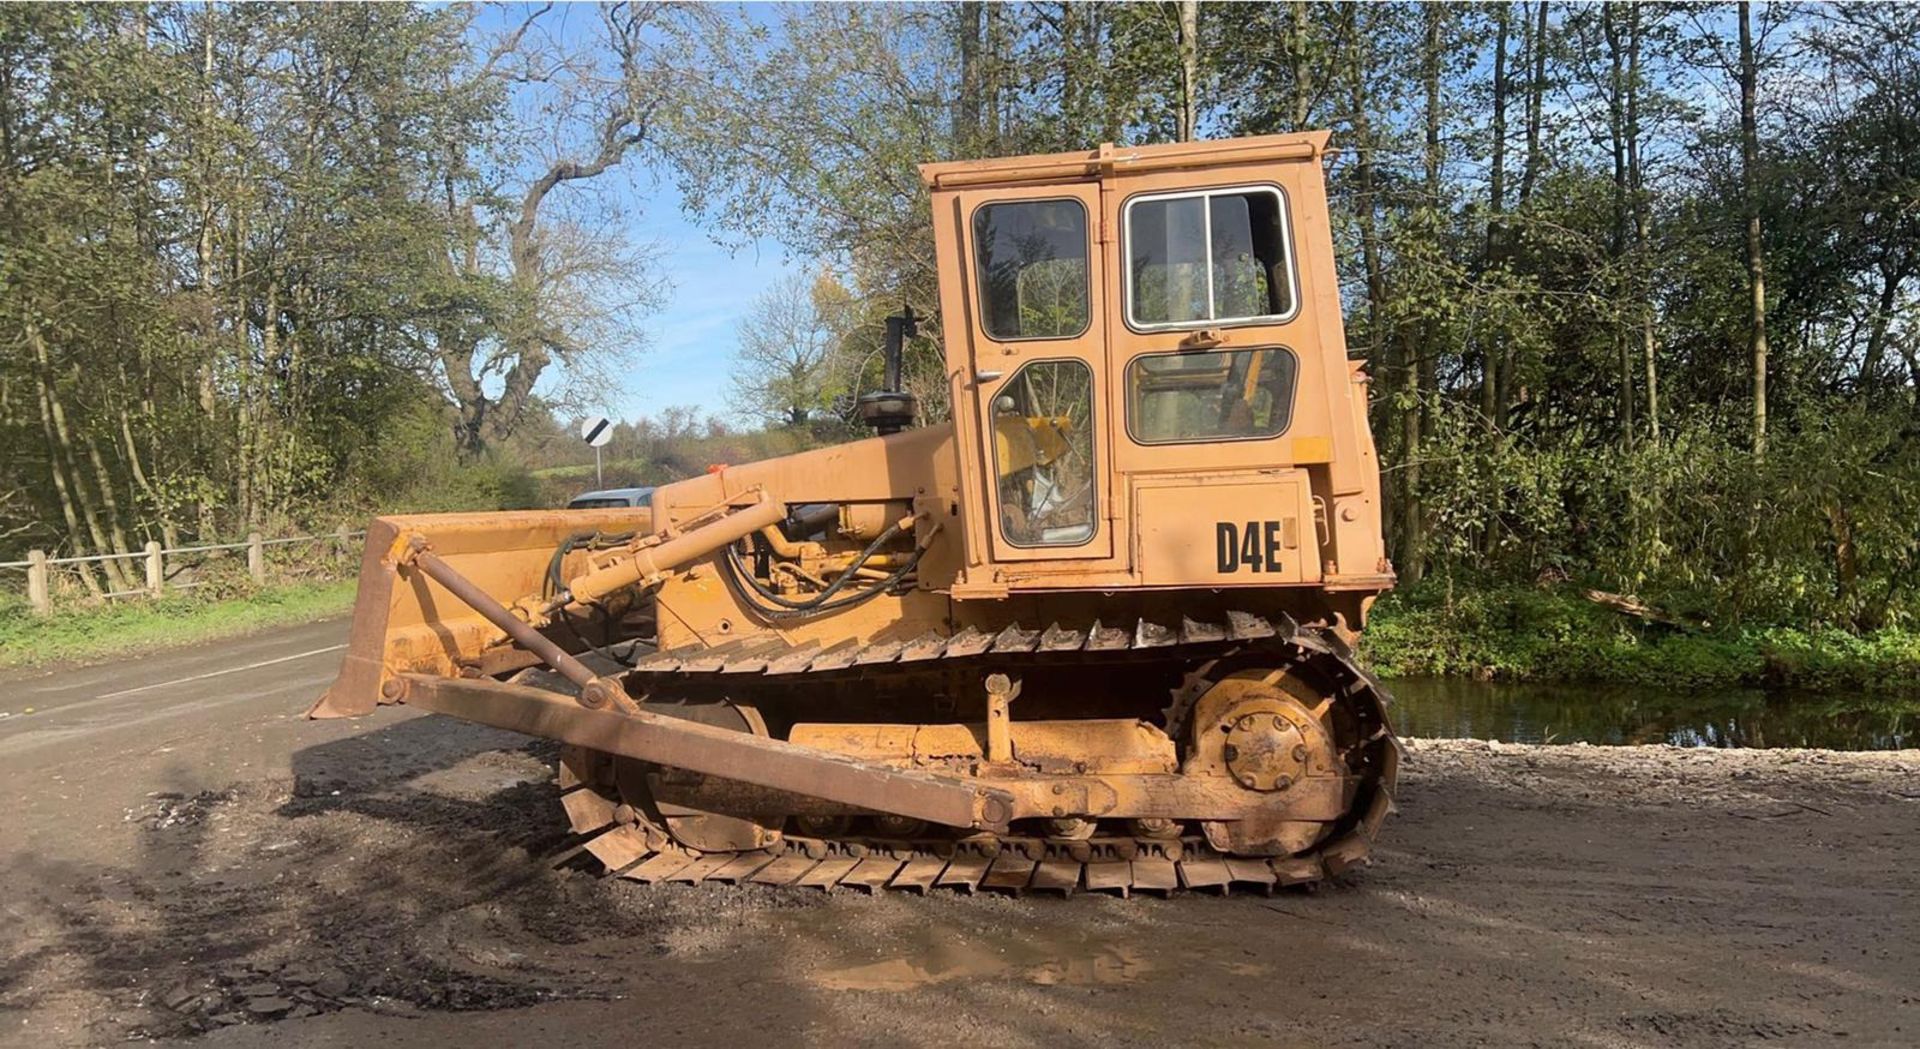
point(1534, 634)
point(86, 633)
point(585, 470)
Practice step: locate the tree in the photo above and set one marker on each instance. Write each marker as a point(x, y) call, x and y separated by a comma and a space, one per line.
point(1189, 43)
point(787, 371)
point(532, 279)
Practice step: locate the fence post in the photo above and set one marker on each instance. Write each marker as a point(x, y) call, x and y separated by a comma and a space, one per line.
point(256, 558)
point(38, 589)
point(341, 535)
point(156, 576)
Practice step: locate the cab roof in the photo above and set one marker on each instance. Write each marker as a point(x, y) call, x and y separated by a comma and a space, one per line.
point(1040, 169)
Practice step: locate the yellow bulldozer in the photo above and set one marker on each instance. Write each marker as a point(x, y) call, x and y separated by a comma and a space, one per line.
point(1092, 633)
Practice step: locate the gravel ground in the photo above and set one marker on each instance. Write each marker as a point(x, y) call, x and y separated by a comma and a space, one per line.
point(239, 879)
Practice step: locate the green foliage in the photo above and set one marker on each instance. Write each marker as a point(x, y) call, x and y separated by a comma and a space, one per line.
point(1555, 634)
point(413, 466)
point(237, 282)
point(1696, 525)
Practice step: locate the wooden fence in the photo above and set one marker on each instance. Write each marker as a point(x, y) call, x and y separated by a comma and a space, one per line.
point(39, 567)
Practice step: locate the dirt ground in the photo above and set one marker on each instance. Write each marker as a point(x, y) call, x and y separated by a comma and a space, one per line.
point(220, 872)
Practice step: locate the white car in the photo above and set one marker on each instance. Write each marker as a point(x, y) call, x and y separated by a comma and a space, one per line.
point(609, 497)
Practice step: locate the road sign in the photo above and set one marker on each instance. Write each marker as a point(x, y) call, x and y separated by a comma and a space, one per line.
point(597, 430)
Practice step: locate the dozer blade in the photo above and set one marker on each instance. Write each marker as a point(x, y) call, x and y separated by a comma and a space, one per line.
point(771, 763)
point(403, 621)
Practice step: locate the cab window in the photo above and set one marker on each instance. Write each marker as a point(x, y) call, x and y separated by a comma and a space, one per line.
point(1043, 454)
point(1031, 261)
point(1223, 395)
point(1207, 258)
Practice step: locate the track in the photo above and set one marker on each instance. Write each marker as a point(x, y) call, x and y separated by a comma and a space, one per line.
point(633, 846)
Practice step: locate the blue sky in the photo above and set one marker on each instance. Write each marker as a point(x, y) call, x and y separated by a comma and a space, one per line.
point(706, 286)
point(691, 343)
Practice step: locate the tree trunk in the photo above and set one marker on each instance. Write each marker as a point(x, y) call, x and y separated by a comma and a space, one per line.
point(966, 109)
point(208, 311)
point(1642, 227)
point(1891, 278)
point(1420, 374)
point(64, 459)
point(1536, 95)
point(1367, 207)
point(1536, 50)
point(1189, 69)
point(1617, 238)
point(1756, 257)
point(1496, 206)
point(63, 488)
point(1072, 111)
point(1302, 67)
point(169, 535)
point(996, 61)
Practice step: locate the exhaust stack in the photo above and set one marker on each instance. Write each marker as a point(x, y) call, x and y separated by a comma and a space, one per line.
point(891, 410)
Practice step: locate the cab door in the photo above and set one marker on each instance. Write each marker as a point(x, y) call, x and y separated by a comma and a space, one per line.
point(1038, 392)
point(1220, 377)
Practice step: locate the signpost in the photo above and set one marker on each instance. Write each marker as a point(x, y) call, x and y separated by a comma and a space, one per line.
point(597, 430)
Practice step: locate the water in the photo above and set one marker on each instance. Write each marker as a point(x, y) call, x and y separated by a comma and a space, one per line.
point(1461, 709)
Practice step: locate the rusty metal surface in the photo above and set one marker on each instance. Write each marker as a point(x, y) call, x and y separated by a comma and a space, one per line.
point(1102, 745)
point(716, 752)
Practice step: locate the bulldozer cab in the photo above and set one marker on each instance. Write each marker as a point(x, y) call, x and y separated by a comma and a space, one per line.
point(1148, 370)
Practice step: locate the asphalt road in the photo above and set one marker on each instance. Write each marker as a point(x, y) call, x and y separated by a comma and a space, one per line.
point(41, 706)
point(67, 725)
point(184, 857)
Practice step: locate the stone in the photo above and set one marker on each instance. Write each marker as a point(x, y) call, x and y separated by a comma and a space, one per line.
point(181, 996)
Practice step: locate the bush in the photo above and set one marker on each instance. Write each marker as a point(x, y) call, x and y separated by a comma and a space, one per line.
point(1555, 634)
point(1820, 533)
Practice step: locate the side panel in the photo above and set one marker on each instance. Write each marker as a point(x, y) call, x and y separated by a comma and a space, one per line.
point(1237, 530)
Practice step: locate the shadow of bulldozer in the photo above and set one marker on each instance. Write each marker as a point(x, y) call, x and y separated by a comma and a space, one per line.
point(424, 865)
